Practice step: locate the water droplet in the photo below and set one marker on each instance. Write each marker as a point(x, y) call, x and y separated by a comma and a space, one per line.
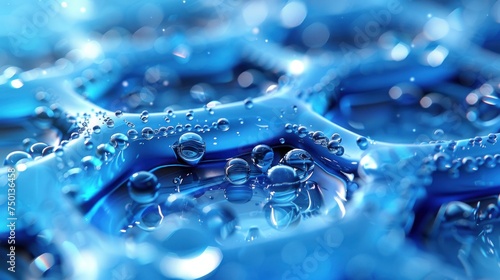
point(118, 113)
point(302, 131)
point(288, 128)
point(238, 194)
point(148, 133)
point(362, 143)
point(17, 157)
point(44, 117)
point(282, 140)
point(143, 187)
point(150, 217)
point(59, 151)
point(283, 179)
point(262, 157)
point(96, 129)
point(221, 222)
point(74, 135)
point(144, 116)
point(443, 161)
point(282, 216)
point(438, 134)
point(319, 138)
point(37, 149)
point(336, 137)
point(248, 103)
point(253, 233)
point(90, 163)
point(469, 164)
point(301, 161)
point(110, 123)
point(189, 116)
point(237, 171)
point(133, 134)
point(223, 124)
point(119, 141)
point(190, 148)
point(48, 150)
point(105, 152)
point(489, 161)
point(492, 138)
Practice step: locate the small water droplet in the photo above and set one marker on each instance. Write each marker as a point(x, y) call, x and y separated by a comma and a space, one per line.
point(282, 140)
point(118, 113)
point(248, 103)
point(96, 129)
point(223, 124)
point(362, 143)
point(147, 133)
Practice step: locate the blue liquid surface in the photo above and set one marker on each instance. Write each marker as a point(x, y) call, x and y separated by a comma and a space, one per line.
point(250, 140)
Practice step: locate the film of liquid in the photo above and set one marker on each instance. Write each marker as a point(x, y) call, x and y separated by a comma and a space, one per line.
point(231, 139)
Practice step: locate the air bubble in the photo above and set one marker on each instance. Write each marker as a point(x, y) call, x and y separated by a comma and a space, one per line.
point(17, 157)
point(144, 116)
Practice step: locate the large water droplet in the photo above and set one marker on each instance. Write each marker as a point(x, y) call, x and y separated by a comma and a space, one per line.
point(262, 157)
point(190, 148)
point(105, 152)
point(237, 171)
point(119, 141)
point(143, 187)
point(301, 161)
point(17, 157)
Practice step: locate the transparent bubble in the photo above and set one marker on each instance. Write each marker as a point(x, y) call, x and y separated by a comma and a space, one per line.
point(237, 171)
point(320, 138)
point(143, 187)
point(37, 149)
point(190, 148)
point(262, 157)
point(248, 103)
point(144, 116)
point(301, 161)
